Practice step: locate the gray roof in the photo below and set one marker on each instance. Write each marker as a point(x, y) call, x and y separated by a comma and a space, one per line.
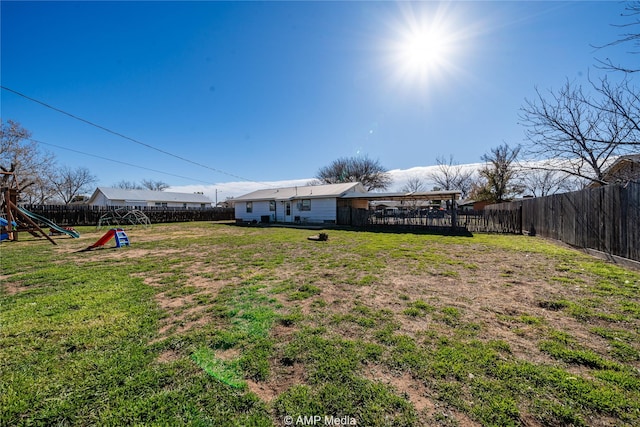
point(412, 195)
point(150, 196)
point(306, 192)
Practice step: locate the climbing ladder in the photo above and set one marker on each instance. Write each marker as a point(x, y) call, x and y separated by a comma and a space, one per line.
point(121, 238)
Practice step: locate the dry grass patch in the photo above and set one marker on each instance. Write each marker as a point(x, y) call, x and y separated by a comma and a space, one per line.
point(387, 328)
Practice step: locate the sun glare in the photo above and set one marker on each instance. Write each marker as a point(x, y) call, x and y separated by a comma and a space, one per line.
point(424, 50)
point(425, 44)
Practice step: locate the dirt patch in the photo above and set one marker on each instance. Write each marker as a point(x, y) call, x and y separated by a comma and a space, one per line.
point(184, 312)
point(419, 395)
point(228, 354)
point(181, 317)
point(108, 253)
point(168, 356)
point(282, 378)
point(10, 288)
point(405, 385)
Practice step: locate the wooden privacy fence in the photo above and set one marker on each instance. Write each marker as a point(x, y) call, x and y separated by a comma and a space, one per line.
point(606, 218)
point(71, 215)
point(507, 221)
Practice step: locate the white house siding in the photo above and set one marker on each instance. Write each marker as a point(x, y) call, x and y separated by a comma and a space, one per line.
point(171, 204)
point(117, 197)
point(260, 209)
point(101, 200)
point(321, 210)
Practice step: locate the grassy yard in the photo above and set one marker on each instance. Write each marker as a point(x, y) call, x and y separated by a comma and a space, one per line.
point(215, 325)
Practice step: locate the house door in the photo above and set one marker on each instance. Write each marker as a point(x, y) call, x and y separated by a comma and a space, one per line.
point(287, 212)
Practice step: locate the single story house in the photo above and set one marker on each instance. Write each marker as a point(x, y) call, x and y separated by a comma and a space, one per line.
point(472, 205)
point(624, 169)
point(307, 204)
point(106, 196)
point(345, 204)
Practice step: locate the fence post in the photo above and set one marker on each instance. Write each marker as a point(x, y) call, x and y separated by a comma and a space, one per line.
point(454, 213)
point(520, 228)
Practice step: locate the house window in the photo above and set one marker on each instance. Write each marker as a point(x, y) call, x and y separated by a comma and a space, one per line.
point(272, 205)
point(249, 207)
point(305, 205)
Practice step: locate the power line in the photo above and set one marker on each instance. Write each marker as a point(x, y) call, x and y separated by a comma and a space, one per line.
point(117, 161)
point(44, 104)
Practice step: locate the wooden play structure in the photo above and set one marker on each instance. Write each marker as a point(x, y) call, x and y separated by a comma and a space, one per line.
point(17, 219)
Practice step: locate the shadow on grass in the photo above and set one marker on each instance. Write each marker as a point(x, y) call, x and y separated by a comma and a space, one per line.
point(392, 229)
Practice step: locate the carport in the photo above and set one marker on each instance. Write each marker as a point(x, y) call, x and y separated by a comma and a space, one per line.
point(351, 205)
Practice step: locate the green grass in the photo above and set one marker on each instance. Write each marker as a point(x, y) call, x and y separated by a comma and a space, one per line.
point(227, 372)
point(188, 331)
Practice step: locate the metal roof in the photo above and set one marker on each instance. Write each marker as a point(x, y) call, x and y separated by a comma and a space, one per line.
point(306, 192)
point(349, 190)
point(150, 196)
point(414, 195)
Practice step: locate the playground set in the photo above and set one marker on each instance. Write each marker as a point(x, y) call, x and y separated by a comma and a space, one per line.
point(118, 233)
point(120, 216)
point(18, 219)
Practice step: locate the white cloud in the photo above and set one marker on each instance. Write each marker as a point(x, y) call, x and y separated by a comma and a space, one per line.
point(401, 176)
point(225, 190)
point(238, 188)
point(399, 179)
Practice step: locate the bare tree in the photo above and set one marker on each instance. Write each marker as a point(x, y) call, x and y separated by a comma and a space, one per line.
point(452, 176)
point(540, 183)
point(229, 202)
point(499, 175)
point(370, 173)
point(567, 127)
point(70, 183)
point(41, 192)
point(145, 184)
point(25, 158)
point(413, 185)
point(128, 185)
point(154, 185)
point(631, 37)
point(622, 101)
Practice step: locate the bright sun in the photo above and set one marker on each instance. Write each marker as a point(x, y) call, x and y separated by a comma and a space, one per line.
point(424, 51)
point(425, 45)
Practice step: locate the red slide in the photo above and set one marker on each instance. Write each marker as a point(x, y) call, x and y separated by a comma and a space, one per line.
point(103, 240)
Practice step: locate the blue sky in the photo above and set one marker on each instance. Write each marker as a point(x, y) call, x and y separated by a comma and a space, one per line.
point(272, 91)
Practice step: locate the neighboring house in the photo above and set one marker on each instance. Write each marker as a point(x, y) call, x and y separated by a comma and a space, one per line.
point(466, 205)
point(472, 205)
point(106, 196)
point(624, 169)
point(308, 204)
point(399, 207)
